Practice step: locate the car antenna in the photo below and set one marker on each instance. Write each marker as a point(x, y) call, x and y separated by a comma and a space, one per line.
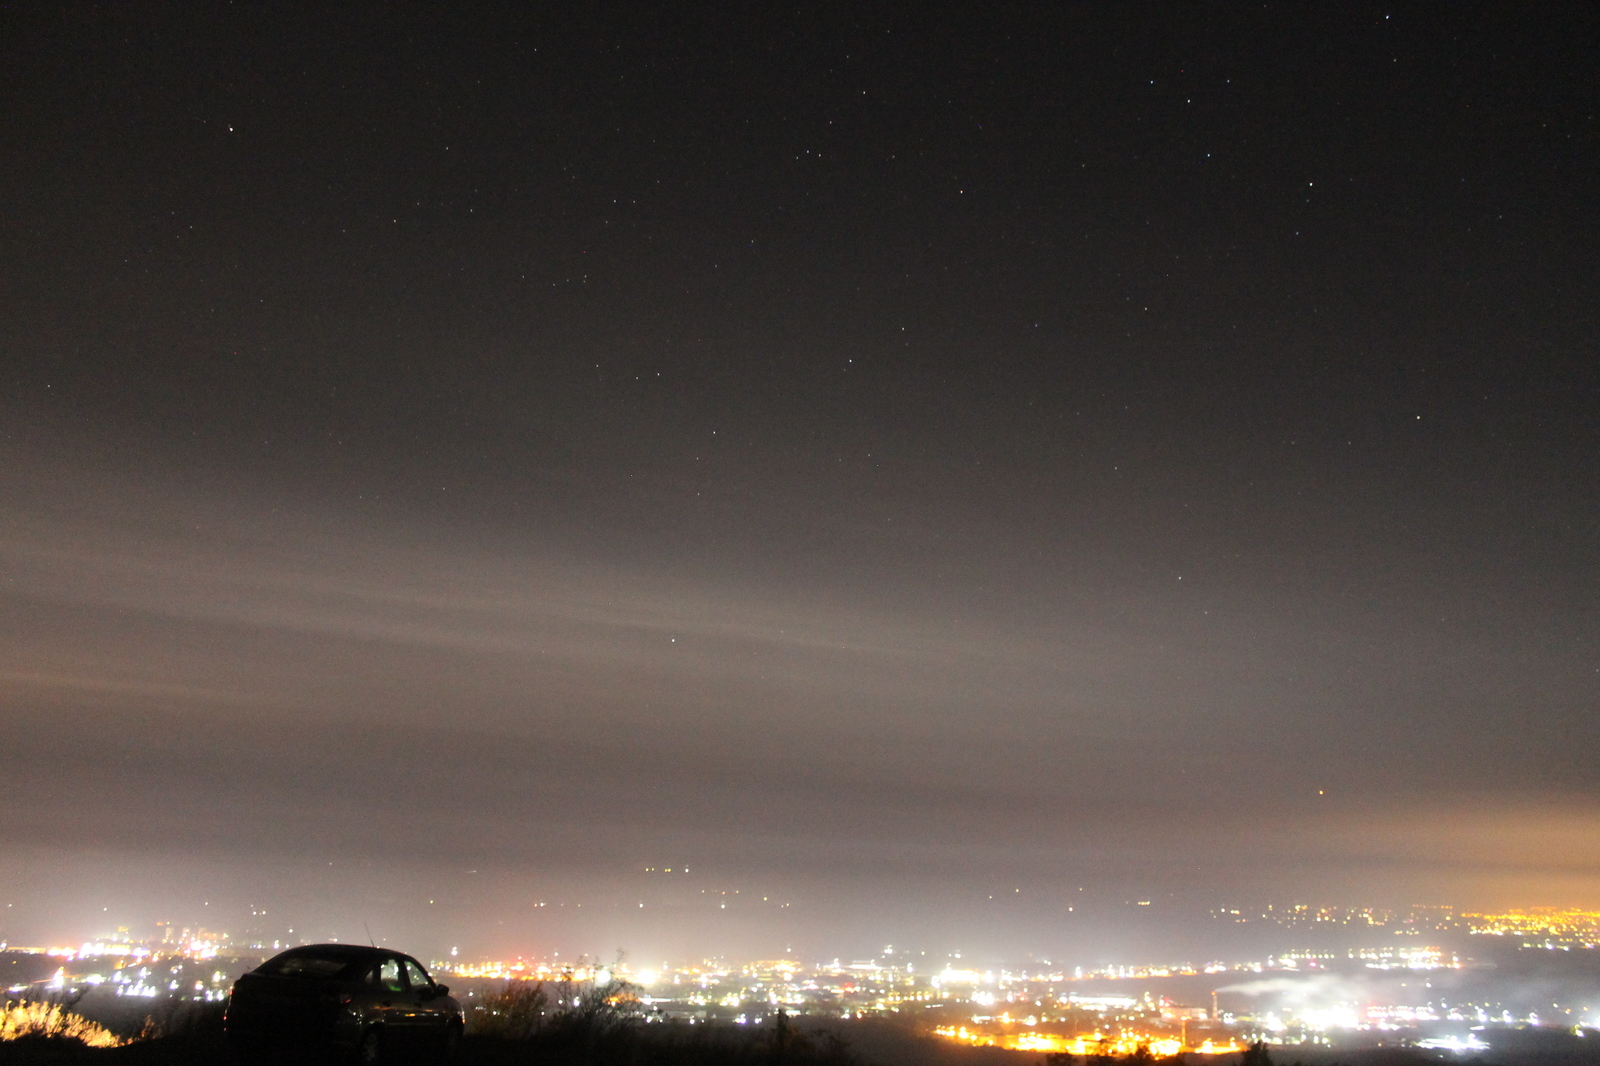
point(368, 928)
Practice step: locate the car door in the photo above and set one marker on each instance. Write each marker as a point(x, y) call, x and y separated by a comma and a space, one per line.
point(428, 1008)
point(391, 999)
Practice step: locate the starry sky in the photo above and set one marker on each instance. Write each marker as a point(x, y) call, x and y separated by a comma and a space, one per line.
point(919, 474)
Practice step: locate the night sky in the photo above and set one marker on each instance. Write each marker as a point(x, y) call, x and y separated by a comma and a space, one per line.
point(921, 469)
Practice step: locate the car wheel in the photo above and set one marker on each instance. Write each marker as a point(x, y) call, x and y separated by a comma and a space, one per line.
point(452, 1042)
point(370, 1051)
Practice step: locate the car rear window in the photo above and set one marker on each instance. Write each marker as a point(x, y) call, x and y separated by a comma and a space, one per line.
point(304, 966)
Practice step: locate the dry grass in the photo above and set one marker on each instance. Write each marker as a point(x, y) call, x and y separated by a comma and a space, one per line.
point(26, 1019)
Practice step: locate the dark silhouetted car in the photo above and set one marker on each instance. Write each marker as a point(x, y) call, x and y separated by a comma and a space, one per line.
point(374, 1003)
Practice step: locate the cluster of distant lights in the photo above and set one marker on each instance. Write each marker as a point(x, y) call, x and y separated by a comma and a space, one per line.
point(877, 987)
point(136, 975)
point(130, 966)
point(192, 949)
point(1557, 927)
point(1123, 1042)
point(1547, 926)
point(1010, 1012)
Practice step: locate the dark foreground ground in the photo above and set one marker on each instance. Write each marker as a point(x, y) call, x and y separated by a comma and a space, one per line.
point(859, 1043)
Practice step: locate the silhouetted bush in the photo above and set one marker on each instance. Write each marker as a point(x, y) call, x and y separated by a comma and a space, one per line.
point(1256, 1055)
point(179, 1016)
point(516, 1012)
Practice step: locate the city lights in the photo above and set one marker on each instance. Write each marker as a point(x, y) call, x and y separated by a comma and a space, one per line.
point(1413, 980)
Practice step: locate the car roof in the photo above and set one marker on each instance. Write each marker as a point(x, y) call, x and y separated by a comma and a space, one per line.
point(351, 952)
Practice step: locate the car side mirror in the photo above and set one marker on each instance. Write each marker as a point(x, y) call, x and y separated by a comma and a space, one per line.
point(439, 990)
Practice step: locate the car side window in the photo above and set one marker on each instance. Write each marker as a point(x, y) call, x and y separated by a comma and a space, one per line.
point(418, 979)
point(387, 976)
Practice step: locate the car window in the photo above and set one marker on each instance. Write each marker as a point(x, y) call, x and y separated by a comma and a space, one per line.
point(304, 965)
point(386, 978)
point(415, 975)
